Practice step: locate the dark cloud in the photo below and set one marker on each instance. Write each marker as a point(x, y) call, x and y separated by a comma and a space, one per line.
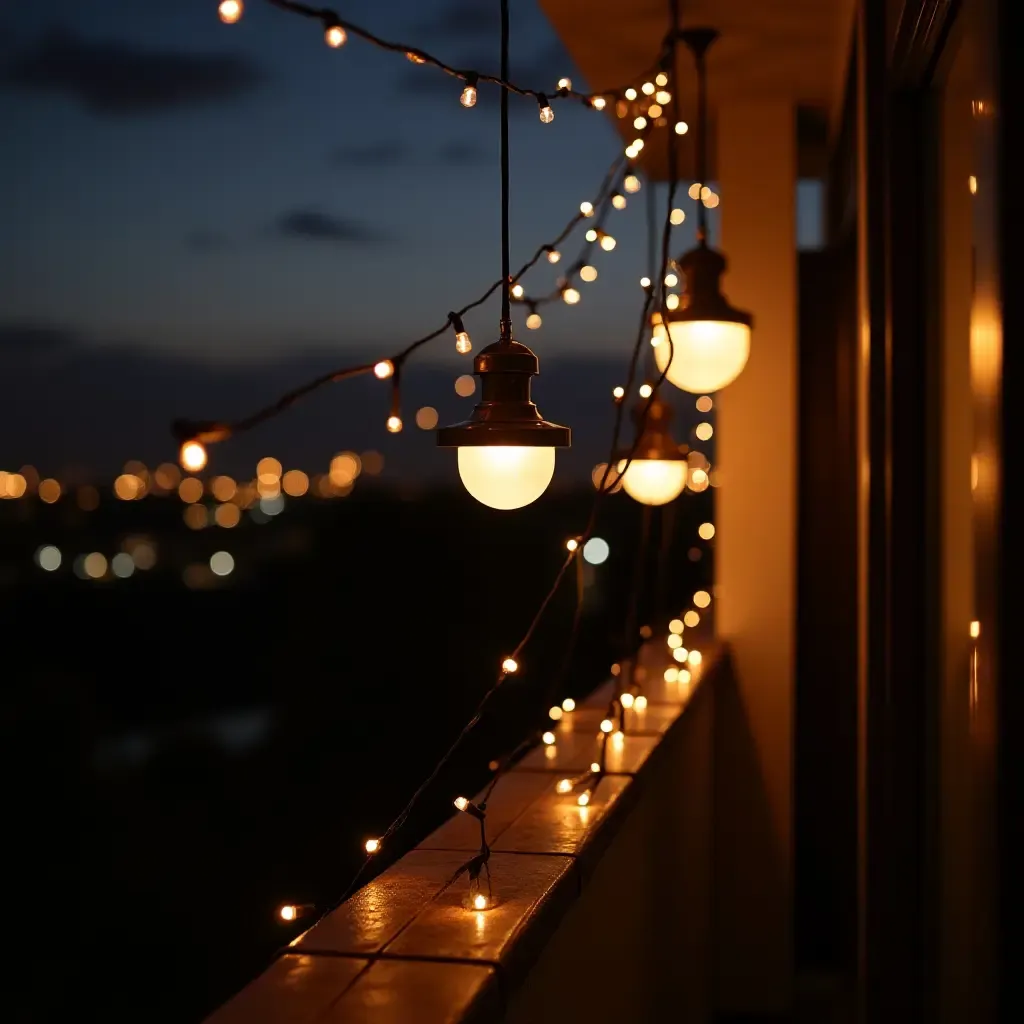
point(26, 338)
point(205, 241)
point(376, 154)
point(461, 153)
point(464, 19)
point(324, 227)
point(118, 79)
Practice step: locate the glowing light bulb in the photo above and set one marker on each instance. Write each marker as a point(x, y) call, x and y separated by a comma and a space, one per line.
point(192, 456)
point(681, 129)
point(618, 392)
point(415, 58)
point(636, 145)
point(571, 296)
point(335, 36)
point(583, 799)
point(533, 321)
point(587, 209)
point(671, 301)
point(565, 83)
point(371, 845)
point(674, 641)
point(554, 713)
point(595, 767)
point(626, 700)
point(654, 111)
point(619, 201)
point(684, 676)
point(646, 390)
point(662, 97)
point(647, 88)
point(706, 355)
point(510, 665)
point(694, 658)
point(547, 115)
point(702, 599)
point(661, 79)
point(568, 704)
point(518, 291)
point(554, 255)
point(691, 618)
point(694, 190)
point(598, 102)
point(384, 369)
point(461, 803)
point(631, 183)
point(564, 786)
point(671, 674)
point(680, 654)
point(591, 235)
point(506, 476)
point(618, 737)
point(468, 97)
point(675, 626)
point(630, 94)
point(677, 217)
point(462, 343)
point(640, 704)
point(394, 424)
point(606, 725)
point(479, 902)
point(645, 282)
point(288, 912)
point(607, 243)
point(572, 544)
point(588, 273)
point(230, 11)
point(639, 123)
point(548, 738)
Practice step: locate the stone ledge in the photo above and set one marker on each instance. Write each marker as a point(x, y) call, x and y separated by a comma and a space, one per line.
point(399, 950)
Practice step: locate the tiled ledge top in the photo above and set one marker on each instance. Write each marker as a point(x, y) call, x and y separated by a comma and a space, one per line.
point(398, 951)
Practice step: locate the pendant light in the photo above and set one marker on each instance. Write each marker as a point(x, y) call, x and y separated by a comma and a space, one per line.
point(506, 449)
point(710, 338)
point(657, 472)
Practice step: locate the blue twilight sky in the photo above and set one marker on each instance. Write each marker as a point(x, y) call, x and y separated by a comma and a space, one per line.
point(172, 187)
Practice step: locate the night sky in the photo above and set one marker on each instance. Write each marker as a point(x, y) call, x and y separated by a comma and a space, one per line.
point(182, 199)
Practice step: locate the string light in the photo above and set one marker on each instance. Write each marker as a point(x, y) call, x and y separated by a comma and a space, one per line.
point(293, 911)
point(630, 93)
point(676, 626)
point(230, 11)
point(588, 273)
point(587, 209)
point(553, 255)
point(547, 115)
point(647, 88)
point(570, 295)
point(646, 390)
point(564, 786)
point(607, 242)
point(479, 901)
point(548, 738)
point(468, 97)
point(645, 282)
point(640, 704)
point(618, 393)
point(572, 544)
point(565, 83)
point(534, 321)
point(371, 845)
point(583, 799)
point(618, 201)
point(554, 713)
point(192, 456)
point(681, 128)
point(606, 725)
point(626, 700)
point(661, 79)
point(598, 102)
point(640, 123)
point(591, 235)
point(663, 97)
point(655, 111)
point(394, 424)
point(335, 36)
point(631, 183)
point(568, 704)
point(510, 665)
point(517, 291)
point(384, 369)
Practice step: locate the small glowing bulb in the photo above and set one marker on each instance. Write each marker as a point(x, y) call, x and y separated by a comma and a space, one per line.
point(682, 127)
point(711, 200)
point(416, 58)
point(335, 37)
point(587, 209)
point(691, 618)
point(975, 629)
point(607, 243)
point(702, 599)
point(706, 531)
point(468, 97)
point(619, 201)
point(555, 713)
point(384, 369)
point(462, 343)
point(674, 641)
point(371, 845)
point(680, 654)
point(568, 704)
point(694, 190)
point(572, 544)
point(394, 424)
point(510, 665)
point(675, 626)
point(230, 11)
point(595, 767)
point(630, 94)
point(564, 786)
point(645, 390)
point(627, 700)
point(461, 803)
point(288, 912)
point(639, 123)
point(637, 145)
point(684, 676)
point(565, 83)
point(618, 392)
point(192, 456)
point(671, 301)
point(518, 291)
point(647, 88)
point(598, 102)
point(671, 280)
point(588, 273)
point(479, 902)
point(606, 725)
point(661, 79)
point(676, 217)
point(654, 110)
point(618, 737)
point(571, 296)
point(640, 704)
point(547, 115)
point(671, 674)
point(533, 321)
point(662, 97)
point(631, 183)
point(645, 282)
point(583, 799)
point(554, 255)
point(548, 738)
point(591, 235)
point(694, 658)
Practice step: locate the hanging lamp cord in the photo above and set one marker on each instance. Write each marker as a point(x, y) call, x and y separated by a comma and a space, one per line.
point(506, 288)
point(702, 145)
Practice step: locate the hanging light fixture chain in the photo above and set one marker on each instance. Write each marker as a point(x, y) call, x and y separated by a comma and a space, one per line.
point(506, 289)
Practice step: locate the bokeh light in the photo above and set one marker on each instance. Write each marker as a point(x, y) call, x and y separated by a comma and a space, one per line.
point(596, 551)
